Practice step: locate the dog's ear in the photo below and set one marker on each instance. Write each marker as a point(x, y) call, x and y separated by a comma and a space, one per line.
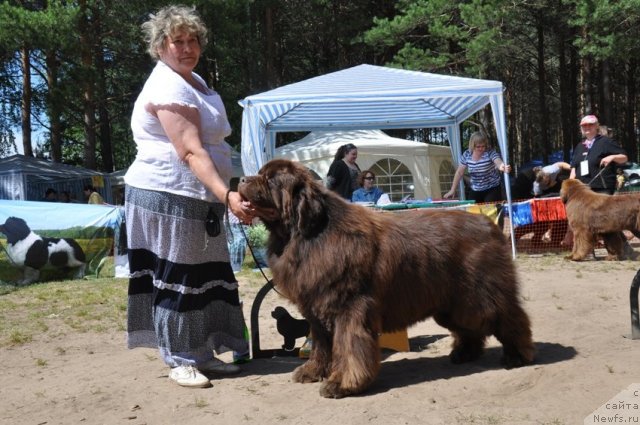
point(286, 187)
point(311, 210)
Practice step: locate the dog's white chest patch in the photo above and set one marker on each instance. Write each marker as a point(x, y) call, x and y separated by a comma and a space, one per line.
point(18, 251)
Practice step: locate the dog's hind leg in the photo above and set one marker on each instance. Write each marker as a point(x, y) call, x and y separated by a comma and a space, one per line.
point(356, 354)
point(30, 275)
point(615, 244)
point(468, 342)
point(80, 272)
point(513, 330)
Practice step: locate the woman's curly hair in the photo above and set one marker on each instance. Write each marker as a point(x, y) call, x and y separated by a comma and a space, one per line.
point(168, 21)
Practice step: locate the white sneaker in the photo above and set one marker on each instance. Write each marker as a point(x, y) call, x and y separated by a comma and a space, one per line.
point(218, 366)
point(189, 376)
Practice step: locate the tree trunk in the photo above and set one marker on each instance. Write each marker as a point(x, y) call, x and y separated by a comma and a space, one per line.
point(587, 99)
point(86, 59)
point(605, 107)
point(542, 99)
point(272, 80)
point(106, 149)
point(26, 102)
point(53, 104)
point(630, 141)
point(565, 73)
point(573, 101)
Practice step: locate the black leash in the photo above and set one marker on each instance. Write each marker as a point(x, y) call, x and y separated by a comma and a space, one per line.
point(604, 185)
point(253, 255)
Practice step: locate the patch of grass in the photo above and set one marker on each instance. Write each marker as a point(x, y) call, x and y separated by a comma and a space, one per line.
point(41, 362)
point(48, 309)
point(19, 337)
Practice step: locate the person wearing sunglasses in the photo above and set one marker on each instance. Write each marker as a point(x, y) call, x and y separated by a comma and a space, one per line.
point(368, 191)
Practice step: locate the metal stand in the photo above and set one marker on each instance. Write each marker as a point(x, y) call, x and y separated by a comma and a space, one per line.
point(635, 311)
point(257, 352)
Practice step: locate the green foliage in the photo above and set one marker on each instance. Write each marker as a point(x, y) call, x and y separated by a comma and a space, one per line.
point(257, 235)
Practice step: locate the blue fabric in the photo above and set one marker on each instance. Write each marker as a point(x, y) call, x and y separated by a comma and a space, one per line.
point(363, 195)
point(521, 213)
point(237, 244)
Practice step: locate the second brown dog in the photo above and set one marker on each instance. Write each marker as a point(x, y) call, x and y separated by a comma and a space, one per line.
point(592, 215)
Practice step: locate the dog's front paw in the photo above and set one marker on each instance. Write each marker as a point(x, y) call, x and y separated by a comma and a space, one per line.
point(331, 389)
point(513, 361)
point(463, 355)
point(307, 373)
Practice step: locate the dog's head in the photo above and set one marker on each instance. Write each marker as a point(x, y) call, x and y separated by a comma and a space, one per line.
point(284, 194)
point(15, 229)
point(570, 187)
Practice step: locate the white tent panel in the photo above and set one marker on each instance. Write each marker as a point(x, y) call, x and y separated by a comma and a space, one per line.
point(364, 96)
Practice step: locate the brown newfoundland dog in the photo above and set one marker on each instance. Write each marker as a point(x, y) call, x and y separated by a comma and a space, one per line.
point(592, 215)
point(354, 273)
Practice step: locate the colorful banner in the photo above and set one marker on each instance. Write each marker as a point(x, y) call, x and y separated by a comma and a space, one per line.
point(42, 241)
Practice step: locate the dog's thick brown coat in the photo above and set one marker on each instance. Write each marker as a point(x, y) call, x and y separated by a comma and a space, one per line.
point(354, 273)
point(592, 215)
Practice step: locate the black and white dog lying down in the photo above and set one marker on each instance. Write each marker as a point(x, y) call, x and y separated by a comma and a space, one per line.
point(32, 252)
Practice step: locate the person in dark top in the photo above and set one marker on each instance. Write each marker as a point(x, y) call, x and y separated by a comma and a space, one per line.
point(593, 164)
point(594, 157)
point(342, 177)
point(50, 195)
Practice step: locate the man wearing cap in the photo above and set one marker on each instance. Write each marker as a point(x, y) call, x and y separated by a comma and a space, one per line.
point(592, 158)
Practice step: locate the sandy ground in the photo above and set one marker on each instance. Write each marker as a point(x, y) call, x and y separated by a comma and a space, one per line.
point(580, 314)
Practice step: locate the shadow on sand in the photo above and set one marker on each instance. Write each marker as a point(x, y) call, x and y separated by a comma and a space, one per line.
point(406, 372)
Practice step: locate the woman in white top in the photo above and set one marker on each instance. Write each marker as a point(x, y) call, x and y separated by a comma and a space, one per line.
point(183, 296)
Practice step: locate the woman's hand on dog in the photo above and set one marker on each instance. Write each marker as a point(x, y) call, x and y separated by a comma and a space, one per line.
point(241, 209)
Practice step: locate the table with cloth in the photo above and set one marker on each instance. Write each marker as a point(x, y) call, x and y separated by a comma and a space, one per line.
point(546, 218)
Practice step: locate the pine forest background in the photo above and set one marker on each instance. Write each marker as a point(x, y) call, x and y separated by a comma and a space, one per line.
point(71, 70)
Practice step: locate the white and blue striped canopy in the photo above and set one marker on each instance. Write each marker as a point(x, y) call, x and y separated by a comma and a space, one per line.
point(366, 97)
point(369, 97)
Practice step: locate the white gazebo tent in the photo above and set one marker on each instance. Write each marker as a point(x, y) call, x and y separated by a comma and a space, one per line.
point(423, 161)
point(368, 97)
